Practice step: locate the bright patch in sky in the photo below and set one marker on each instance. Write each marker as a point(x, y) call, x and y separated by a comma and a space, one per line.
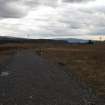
point(53, 18)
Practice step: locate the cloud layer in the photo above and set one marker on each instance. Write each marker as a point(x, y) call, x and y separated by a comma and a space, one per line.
point(52, 18)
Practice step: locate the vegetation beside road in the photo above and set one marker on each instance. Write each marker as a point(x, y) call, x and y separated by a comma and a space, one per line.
point(86, 61)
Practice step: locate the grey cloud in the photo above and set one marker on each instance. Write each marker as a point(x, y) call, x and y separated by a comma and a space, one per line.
point(11, 9)
point(77, 0)
point(14, 8)
point(8, 12)
point(35, 3)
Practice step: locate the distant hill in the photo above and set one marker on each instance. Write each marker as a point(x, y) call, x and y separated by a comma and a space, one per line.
point(6, 39)
point(73, 40)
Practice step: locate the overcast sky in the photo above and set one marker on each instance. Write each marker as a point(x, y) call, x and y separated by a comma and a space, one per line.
point(52, 18)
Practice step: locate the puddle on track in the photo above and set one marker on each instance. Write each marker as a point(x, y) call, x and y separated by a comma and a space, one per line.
point(4, 73)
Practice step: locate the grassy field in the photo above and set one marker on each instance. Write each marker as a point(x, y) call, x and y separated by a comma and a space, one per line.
point(85, 61)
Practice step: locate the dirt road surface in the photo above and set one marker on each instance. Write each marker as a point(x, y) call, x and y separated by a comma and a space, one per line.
point(28, 79)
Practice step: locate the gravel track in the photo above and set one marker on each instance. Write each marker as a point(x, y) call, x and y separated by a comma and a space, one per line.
point(31, 80)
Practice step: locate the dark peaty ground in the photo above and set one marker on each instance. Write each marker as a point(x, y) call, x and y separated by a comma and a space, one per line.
point(30, 80)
